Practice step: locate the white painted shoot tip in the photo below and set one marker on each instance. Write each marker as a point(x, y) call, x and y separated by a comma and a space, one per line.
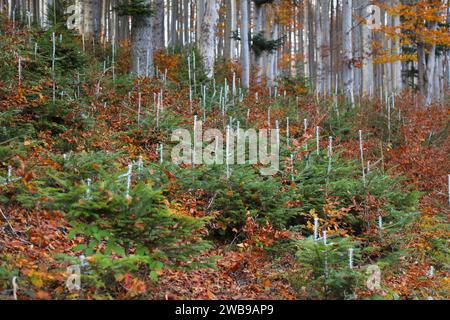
point(350, 258)
point(9, 175)
point(330, 146)
point(129, 176)
point(380, 223)
point(316, 228)
point(431, 272)
point(140, 164)
point(88, 189)
point(318, 140)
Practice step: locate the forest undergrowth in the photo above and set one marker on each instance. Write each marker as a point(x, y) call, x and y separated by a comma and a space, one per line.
point(82, 183)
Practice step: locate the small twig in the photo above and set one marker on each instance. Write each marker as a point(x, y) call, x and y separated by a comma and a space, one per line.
point(7, 221)
point(211, 201)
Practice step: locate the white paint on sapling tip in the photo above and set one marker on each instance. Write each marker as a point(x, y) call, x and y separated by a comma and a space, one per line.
point(234, 84)
point(316, 228)
point(292, 168)
point(140, 165)
point(19, 67)
point(227, 151)
point(350, 258)
point(317, 140)
point(139, 108)
point(83, 261)
point(287, 131)
point(88, 189)
point(431, 271)
point(330, 154)
point(361, 151)
point(380, 223)
point(9, 176)
point(128, 185)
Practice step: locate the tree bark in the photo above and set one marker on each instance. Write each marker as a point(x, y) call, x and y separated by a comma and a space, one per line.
point(91, 18)
point(141, 45)
point(430, 69)
point(207, 36)
point(347, 9)
point(258, 29)
point(397, 68)
point(158, 25)
point(200, 12)
point(319, 50)
point(230, 26)
point(367, 78)
point(245, 48)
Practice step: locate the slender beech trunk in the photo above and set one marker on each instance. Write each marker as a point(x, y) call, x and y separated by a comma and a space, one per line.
point(430, 69)
point(207, 36)
point(319, 50)
point(258, 29)
point(230, 26)
point(347, 10)
point(245, 47)
point(368, 76)
point(397, 68)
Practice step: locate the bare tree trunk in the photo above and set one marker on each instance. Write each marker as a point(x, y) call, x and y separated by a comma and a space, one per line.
point(319, 50)
point(421, 67)
point(447, 72)
point(230, 26)
point(142, 45)
point(200, 12)
point(272, 70)
point(397, 68)
point(311, 64)
point(301, 43)
point(207, 36)
point(367, 70)
point(91, 18)
point(430, 69)
point(173, 23)
point(158, 25)
point(245, 48)
point(388, 66)
point(347, 10)
point(186, 21)
point(258, 29)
